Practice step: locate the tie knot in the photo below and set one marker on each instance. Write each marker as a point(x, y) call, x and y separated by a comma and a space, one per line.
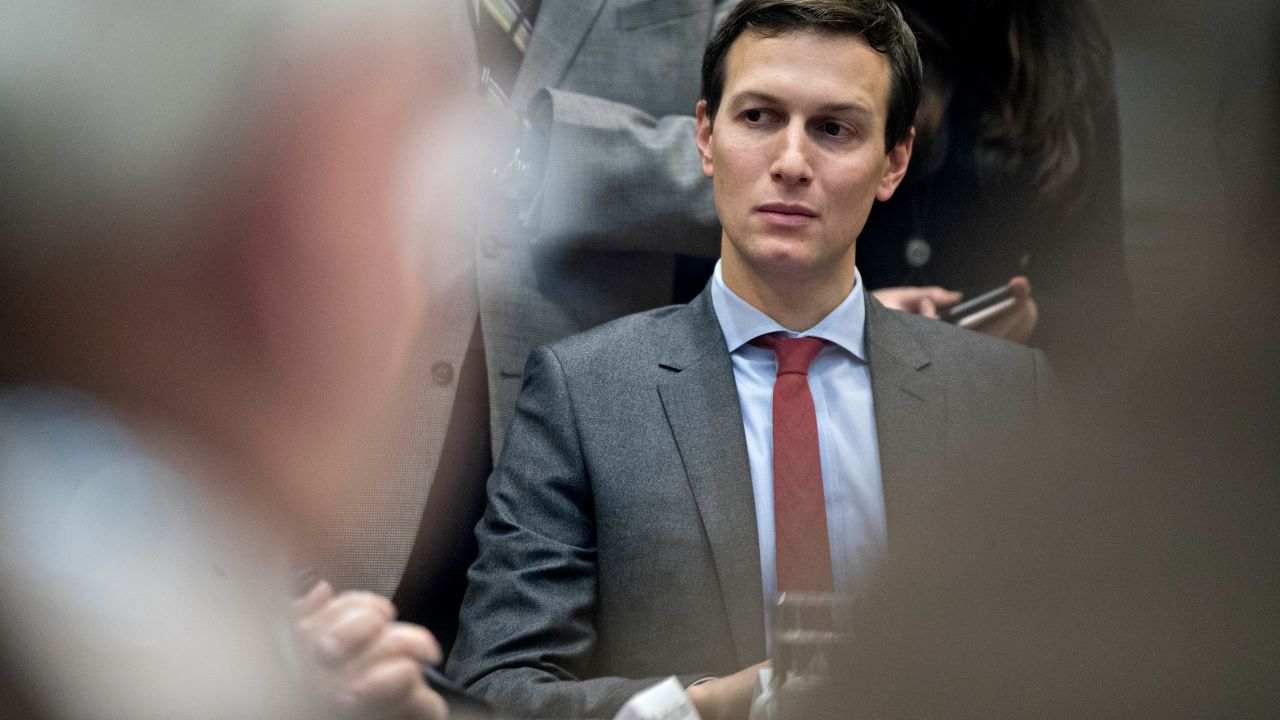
point(794, 354)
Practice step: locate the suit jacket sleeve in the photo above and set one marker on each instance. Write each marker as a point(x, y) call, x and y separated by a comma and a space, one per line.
point(617, 178)
point(527, 630)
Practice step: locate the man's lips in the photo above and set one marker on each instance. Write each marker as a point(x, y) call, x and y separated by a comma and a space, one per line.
point(787, 214)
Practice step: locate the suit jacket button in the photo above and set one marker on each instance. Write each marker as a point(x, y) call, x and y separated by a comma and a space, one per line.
point(442, 373)
point(918, 252)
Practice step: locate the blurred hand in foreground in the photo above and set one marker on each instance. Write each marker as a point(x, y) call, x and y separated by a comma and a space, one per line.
point(364, 664)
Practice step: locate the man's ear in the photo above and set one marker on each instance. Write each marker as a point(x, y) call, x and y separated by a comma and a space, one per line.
point(704, 137)
point(896, 166)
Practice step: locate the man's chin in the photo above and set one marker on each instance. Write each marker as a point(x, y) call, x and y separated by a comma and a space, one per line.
point(788, 259)
point(793, 261)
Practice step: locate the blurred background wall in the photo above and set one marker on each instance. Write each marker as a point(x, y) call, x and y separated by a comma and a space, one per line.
point(1199, 85)
point(1195, 478)
point(1199, 95)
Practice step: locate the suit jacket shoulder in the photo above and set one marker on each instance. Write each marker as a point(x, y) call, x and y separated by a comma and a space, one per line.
point(959, 362)
point(618, 546)
point(629, 340)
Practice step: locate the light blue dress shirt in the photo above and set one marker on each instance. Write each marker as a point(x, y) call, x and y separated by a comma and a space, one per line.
point(840, 380)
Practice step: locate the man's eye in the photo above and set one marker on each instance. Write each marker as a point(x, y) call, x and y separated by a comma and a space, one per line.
point(753, 115)
point(834, 129)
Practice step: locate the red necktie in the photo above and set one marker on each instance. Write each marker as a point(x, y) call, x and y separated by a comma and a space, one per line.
point(799, 505)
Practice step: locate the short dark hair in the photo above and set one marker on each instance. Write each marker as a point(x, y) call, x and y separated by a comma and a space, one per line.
point(879, 22)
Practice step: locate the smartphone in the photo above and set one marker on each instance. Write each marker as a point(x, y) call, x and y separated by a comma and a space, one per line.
point(989, 304)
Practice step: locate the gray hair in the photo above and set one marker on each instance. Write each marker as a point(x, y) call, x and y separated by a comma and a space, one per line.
point(122, 115)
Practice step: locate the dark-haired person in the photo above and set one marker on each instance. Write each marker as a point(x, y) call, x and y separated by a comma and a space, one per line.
point(1016, 173)
point(658, 487)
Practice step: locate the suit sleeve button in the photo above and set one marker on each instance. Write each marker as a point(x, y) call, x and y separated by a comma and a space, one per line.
point(442, 373)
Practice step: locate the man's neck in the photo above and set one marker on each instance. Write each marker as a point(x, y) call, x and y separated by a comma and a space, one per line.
point(797, 302)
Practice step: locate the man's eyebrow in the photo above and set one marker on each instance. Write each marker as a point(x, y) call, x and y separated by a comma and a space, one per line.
point(846, 107)
point(832, 107)
point(757, 96)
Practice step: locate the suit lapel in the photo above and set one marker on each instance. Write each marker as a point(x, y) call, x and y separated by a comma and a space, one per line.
point(910, 422)
point(700, 398)
point(701, 402)
point(558, 32)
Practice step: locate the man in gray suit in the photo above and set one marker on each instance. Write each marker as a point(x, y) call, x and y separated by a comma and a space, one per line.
point(656, 478)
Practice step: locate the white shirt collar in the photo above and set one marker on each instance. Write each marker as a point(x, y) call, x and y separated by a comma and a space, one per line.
point(741, 322)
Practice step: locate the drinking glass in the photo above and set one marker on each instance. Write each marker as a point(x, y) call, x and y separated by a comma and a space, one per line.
point(809, 629)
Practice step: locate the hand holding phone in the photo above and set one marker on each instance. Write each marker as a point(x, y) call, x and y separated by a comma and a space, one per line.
point(1007, 312)
point(917, 300)
point(989, 303)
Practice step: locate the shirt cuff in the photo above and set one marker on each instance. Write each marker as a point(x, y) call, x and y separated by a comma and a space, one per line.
point(665, 701)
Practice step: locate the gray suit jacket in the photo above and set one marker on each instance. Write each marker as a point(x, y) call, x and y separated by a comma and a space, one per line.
point(619, 545)
point(622, 193)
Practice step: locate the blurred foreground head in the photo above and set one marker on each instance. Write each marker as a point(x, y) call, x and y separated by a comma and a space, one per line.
point(216, 231)
point(217, 219)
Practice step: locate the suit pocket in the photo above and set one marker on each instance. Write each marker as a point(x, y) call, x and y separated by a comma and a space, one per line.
point(640, 14)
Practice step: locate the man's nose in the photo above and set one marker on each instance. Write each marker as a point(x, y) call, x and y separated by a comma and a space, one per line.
point(791, 164)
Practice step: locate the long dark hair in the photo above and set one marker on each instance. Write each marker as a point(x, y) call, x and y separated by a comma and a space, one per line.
point(1040, 69)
